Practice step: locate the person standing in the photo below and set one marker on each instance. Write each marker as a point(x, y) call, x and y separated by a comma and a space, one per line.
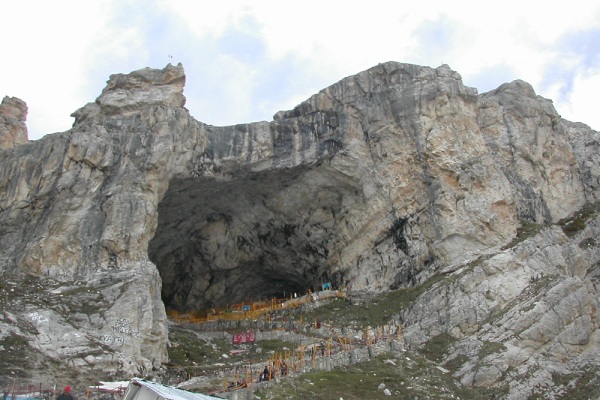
point(66, 394)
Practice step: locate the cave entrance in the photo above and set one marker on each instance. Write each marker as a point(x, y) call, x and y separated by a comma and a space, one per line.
point(266, 235)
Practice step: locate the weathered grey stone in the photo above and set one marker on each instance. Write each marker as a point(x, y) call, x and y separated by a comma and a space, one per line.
point(378, 181)
point(537, 299)
point(13, 131)
point(486, 376)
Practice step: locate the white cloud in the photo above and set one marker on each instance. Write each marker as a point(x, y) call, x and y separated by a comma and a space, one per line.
point(244, 56)
point(581, 105)
point(42, 62)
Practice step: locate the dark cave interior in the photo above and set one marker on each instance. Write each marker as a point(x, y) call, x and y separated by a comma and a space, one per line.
point(221, 242)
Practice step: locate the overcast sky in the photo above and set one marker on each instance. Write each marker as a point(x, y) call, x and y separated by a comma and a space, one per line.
point(246, 60)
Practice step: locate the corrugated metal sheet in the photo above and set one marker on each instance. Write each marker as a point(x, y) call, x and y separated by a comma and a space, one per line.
point(165, 392)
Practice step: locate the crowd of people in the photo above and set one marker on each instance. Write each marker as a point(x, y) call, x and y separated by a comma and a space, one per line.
point(278, 367)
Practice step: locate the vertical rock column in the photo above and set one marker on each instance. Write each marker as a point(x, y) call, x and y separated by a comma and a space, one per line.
point(13, 130)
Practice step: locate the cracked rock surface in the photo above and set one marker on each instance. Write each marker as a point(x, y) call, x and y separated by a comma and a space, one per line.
point(376, 182)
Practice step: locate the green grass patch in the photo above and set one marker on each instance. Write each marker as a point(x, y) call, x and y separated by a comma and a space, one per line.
point(15, 350)
point(274, 345)
point(575, 224)
point(571, 226)
point(412, 376)
point(188, 350)
point(489, 348)
point(524, 232)
point(19, 359)
point(378, 311)
point(581, 386)
point(355, 382)
point(436, 348)
point(456, 363)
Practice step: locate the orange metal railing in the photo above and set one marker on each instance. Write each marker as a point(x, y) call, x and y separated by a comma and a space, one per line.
point(248, 310)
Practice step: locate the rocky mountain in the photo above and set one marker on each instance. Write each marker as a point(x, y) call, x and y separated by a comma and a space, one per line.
point(400, 176)
point(13, 131)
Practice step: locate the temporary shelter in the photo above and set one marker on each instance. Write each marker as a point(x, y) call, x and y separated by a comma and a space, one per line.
point(139, 389)
point(109, 387)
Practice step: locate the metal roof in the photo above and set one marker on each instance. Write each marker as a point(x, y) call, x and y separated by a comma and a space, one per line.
point(171, 393)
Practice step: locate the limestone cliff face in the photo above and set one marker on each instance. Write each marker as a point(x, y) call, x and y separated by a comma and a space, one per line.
point(13, 131)
point(520, 316)
point(378, 181)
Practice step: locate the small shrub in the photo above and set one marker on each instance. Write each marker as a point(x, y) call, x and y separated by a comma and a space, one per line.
point(456, 363)
point(525, 231)
point(490, 348)
point(436, 347)
point(572, 226)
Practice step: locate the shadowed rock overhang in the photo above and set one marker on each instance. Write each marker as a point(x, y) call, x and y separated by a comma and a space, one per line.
point(266, 235)
point(372, 183)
